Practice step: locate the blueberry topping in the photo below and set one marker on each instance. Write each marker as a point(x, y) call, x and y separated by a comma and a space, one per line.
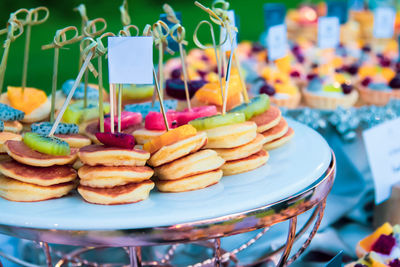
point(366, 48)
point(366, 81)
point(257, 47)
point(395, 82)
point(176, 74)
point(352, 69)
point(267, 89)
point(347, 88)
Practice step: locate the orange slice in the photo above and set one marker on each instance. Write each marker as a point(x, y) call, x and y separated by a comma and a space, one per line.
point(368, 242)
point(170, 137)
point(28, 101)
point(210, 93)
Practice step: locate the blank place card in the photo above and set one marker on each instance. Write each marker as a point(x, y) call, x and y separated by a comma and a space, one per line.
point(130, 60)
point(384, 18)
point(383, 151)
point(328, 32)
point(277, 42)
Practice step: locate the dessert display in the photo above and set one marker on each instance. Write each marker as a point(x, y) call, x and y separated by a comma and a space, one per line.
point(381, 248)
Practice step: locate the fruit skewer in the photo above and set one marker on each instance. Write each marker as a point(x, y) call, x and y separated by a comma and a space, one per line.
point(89, 52)
point(59, 41)
point(217, 50)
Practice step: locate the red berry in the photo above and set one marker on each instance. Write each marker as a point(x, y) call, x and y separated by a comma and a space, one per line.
point(116, 139)
point(384, 244)
point(366, 81)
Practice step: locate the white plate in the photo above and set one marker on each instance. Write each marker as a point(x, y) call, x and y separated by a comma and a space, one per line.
point(290, 169)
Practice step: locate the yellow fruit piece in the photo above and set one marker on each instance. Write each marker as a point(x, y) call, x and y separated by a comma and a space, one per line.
point(388, 74)
point(170, 137)
point(28, 101)
point(391, 46)
point(283, 64)
point(367, 242)
point(212, 77)
point(337, 62)
point(211, 92)
point(340, 78)
point(366, 71)
point(377, 264)
point(286, 88)
point(262, 56)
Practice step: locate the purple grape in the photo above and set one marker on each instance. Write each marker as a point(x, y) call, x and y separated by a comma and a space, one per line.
point(366, 81)
point(195, 85)
point(395, 82)
point(384, 244)
point(394, 263)
point(295, 74)
point(176, 73)
point(296, 49)
point(176, 88)
point(300, 58)
point(257, 47)
point(347, 88)
point(311, 76)
point(267, 89)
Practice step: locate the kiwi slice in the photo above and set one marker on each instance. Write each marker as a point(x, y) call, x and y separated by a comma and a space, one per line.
point(47, 145)
point(217, 121)
point(256, 106)
point(76, 113)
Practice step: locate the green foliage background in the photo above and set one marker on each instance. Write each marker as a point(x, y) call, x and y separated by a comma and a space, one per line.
point(142, 12)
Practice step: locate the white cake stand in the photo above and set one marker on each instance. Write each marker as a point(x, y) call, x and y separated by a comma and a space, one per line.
point(297, 178)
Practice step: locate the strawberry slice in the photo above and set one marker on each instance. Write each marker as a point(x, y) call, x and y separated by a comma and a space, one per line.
point(155, 121)
point(116, 139)
point(197, 112)
point(127, 119)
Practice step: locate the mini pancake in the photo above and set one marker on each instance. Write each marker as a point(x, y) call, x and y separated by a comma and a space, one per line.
point(280, 141)
point(123, 194)
point(13, 126)
point(15, 190)
point(93, 127)
point(177, 150)
point(24, 154)
point(105, 176)
point(37, 175)
point(268, 119)
point(93, 155)
point(143, 135)
point(193, 164)
point(190, 183)
point(5, 136)
point(233, 135)
point(276, 132)
point(75, 140)
point(242, 151)
point(4, 157)
point(247, 164)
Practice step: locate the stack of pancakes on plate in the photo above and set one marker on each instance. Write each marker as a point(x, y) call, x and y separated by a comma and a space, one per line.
point(239, 145)
point(33, 176)
point(273, 127)
point(113, 175)
point(183, 166)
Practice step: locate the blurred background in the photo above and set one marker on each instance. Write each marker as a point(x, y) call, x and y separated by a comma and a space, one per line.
point(142, 12)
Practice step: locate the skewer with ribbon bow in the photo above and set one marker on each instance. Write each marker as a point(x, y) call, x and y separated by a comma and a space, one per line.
point(147, 32)
point(88, 53)
point(217, 51)
point(14, 29)
point(60, 40)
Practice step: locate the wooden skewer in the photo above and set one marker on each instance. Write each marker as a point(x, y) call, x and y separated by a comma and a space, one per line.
point(227, 77)
point(161, 101)
point(119, 106)
point(112, 106)
point(71, 93)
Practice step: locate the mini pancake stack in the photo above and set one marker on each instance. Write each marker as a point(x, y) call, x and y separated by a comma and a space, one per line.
point(180, 164)
point(273, 127)
point(35, 176)
point(114, 175)
point(239, 145)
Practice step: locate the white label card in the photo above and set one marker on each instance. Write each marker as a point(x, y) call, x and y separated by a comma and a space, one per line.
point(328, 32)
point(383, 151)
point(277, 42)
point(130, 60)
point(384, 18)
point(227, 45)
